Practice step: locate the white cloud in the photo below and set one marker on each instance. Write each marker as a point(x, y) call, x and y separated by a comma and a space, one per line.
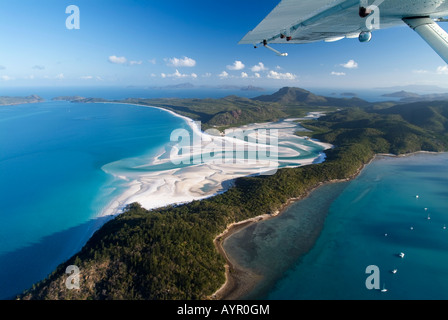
point(6, 78)
point(351, 64)
point(223, 75)
point(97, 78)
point(237, 65)
point(334, 73)
point(38, 67)
point(152, 61)
point(420, 71)
point(207, 75)
point(117, 60)
point(259, 67)
point(184, 62)
point(442, 69)
point(124, 61)
point(244, 75)
point(281, 76)
point(133, 62)
point(178, 75)
point(257, 75)
point(60, 76)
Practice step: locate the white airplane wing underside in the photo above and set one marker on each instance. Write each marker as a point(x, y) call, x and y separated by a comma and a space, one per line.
point(305, 21)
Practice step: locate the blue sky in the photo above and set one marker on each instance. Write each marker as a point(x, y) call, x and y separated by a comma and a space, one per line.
point(157, 43)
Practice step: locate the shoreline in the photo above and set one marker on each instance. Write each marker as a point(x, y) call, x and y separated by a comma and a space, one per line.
point(235, 274)
point(176, 186)
point(117, 205)
point(240, 281)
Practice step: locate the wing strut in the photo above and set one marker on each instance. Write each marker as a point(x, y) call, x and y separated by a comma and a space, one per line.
point(432, 33)
point(280, 54)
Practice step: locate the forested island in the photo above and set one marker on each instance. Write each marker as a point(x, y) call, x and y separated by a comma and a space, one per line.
point(9, 101)
point(169, 253)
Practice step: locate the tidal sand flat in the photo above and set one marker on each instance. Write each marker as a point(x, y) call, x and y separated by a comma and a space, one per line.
point(369, 221)
point(159, 181)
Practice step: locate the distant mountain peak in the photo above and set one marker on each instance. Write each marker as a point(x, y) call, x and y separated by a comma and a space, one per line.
point(299, 96)
point(288, 95)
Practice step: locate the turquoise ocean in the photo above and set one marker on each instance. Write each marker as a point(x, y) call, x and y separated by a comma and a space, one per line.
point(53, 190)
point(396, 205)
point(61, 170)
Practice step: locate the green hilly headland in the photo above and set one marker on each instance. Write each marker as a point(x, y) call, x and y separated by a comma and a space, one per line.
point(232, 111)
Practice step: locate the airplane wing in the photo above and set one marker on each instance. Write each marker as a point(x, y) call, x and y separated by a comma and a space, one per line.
point(305, 21)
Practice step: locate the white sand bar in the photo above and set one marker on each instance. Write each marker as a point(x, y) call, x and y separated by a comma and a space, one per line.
point(195, 181)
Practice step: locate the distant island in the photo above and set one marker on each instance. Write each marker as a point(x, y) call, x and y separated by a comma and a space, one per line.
point(411, 88)
point(68, 98)
point(8, 101)
point(172, 253)
point(401, 94)
point(188, 85)
point(348, 94)
point(415, 97)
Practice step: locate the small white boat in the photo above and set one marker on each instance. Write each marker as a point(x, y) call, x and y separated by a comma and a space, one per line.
point(444, 227)
point(394, 271)
point(412, 228)
point(416, 196)
point(384, 289)
point(401, 255)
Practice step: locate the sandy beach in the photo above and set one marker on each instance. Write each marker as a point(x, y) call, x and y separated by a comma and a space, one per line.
point(178, 184)
point(154, 188)
point(240, 281)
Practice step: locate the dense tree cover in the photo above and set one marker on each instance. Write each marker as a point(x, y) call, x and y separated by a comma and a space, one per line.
point(169, 253)
point(397, 130)
point(219, 113)
point(234, 111)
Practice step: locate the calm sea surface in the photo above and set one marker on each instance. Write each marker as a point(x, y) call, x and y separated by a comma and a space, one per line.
point(54, 186)
point(370, 220)
point(53, 189)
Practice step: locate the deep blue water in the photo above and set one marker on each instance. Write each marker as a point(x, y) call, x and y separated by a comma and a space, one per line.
point(53, 188)
point(370, 220)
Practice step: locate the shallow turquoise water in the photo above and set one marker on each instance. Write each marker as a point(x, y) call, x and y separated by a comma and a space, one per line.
point(382, 200)
point(58, 163)
point(53, 187)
